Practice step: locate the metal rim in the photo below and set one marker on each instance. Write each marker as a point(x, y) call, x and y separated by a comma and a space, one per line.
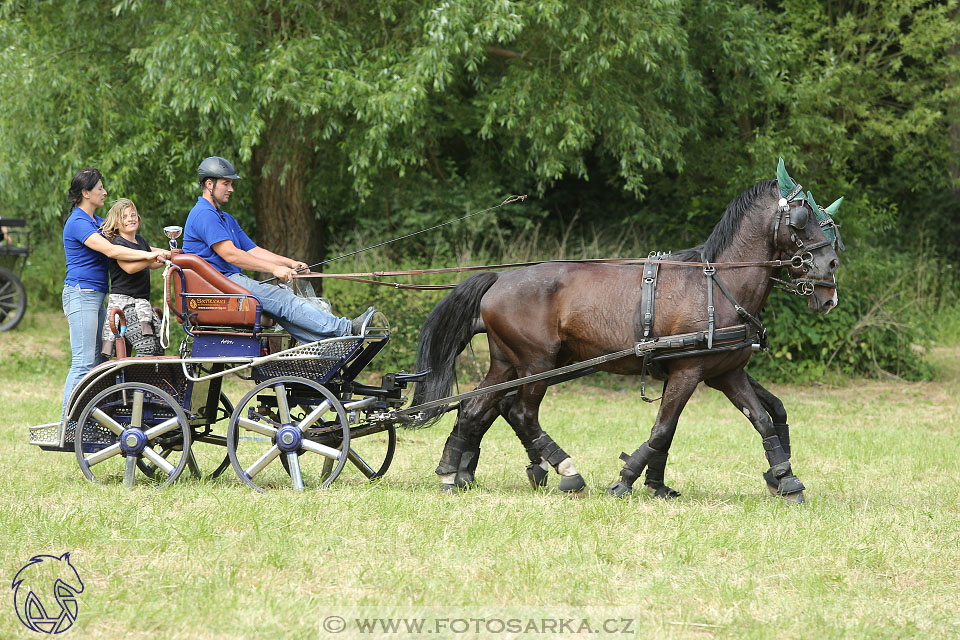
point(13, 299)
point(294, 430)
point(363, 464)
point(134, 397)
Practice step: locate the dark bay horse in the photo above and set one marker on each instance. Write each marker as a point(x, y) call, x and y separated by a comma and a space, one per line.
point(549, 315)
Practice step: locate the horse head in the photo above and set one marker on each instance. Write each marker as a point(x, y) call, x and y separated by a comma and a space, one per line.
point(807, 236)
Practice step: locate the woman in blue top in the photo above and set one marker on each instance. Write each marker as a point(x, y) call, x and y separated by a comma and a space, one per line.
point(88, 256)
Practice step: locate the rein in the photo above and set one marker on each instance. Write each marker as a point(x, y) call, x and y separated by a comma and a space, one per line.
point(364, 277)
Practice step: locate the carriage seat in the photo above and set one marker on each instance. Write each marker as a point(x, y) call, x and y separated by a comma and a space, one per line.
point(205, 300)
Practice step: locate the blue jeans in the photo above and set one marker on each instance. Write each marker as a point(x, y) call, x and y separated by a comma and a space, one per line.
point(85, 315)
point(304, 321)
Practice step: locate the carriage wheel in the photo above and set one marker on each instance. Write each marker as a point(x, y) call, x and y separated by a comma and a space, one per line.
point(129, 423)
point(224, 410)
point(371, 458)
point(296, 420)
point(371, 455)
point(13, 299)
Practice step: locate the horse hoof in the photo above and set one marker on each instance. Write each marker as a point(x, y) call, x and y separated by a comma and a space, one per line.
point(662, 491)
point(448, 489)
point(619, 490)
point(537, 476)
point(572, 484)
point(795, 498)
point(789, 487)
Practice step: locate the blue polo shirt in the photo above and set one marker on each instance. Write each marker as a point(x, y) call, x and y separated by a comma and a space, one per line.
point(85, 267)
point(206, 227)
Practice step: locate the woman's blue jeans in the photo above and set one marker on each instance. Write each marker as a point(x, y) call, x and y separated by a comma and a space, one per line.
point(85, 316)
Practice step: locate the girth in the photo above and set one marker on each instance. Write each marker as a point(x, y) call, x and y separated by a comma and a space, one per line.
point(713, 340)
point(648, 295)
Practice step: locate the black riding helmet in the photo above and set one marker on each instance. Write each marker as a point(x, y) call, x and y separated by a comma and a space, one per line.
point(216, 167)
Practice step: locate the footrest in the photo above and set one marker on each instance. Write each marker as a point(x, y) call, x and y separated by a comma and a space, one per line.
point(45, 434)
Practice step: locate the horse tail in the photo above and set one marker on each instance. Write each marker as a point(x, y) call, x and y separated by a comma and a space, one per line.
point(446, 332)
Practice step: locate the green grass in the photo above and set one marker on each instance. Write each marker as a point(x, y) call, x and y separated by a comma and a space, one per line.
point(874, 553)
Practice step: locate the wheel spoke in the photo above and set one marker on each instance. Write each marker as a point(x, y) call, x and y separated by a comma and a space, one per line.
point(192, 464)
point(293, 462)
point(167, 425)
point(102, 455)
point(322, 449)
point(136, 414)
point(314, 415)
point(257, 427)
point(360, 463)
point(158, 460)
point(264, 460)
point(128, 471)
point(282, 407)
point(106, 421)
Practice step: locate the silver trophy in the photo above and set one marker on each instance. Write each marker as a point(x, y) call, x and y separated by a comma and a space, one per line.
point(173, 232)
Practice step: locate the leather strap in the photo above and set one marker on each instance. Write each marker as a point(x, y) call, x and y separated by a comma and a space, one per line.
point(648, 294)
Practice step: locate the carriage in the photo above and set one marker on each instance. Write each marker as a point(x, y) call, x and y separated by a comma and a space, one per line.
point(139, 419)
point(545, 324)
point(14, 249)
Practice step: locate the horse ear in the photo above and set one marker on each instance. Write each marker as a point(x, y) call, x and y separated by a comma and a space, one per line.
point(66, 556)
point(832, 209)
point(784, 181)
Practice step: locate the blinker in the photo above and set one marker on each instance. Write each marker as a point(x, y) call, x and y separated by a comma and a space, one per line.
point(799, 217)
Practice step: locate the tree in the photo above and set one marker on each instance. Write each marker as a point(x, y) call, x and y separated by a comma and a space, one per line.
point(367, 94)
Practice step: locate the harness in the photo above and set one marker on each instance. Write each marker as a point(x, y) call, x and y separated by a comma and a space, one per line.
point(751, 333)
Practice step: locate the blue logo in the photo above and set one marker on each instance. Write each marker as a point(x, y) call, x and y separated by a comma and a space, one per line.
point(45, 594)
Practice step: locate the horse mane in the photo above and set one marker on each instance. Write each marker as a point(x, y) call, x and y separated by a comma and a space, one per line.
point(726, 230)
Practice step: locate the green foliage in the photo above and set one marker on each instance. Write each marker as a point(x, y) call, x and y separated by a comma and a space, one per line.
point(890, 307)
point(639, 119)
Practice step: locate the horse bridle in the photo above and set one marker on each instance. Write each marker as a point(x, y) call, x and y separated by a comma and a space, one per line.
point(803, 256)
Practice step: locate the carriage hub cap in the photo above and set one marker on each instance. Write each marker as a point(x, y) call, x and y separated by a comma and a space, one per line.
point(288, 439)
point(132, 441)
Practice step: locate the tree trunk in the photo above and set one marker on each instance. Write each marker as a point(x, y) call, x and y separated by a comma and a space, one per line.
point(281, 165)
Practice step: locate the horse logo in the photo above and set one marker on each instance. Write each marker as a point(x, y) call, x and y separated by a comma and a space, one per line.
point(32, 587)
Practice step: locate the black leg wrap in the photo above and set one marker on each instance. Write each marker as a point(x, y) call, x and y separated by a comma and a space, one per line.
point(654, 477)
point(774, 451)
point(537, 475)
point(779, 478)
point(633, 466)
point(550, 450)
point(783, 432)
point(450, 458)
point(468, 467)
point(533, 453)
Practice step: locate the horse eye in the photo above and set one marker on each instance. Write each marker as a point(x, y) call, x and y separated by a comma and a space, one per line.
point(799, 217)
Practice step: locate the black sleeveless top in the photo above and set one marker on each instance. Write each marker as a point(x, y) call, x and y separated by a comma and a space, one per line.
point(135, 285)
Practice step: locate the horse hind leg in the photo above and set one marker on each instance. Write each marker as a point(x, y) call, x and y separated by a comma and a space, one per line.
point(523, 416)
point(461, 452)
point(538, 469)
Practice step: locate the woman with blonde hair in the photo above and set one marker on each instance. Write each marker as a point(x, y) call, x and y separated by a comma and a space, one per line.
point(130, 282)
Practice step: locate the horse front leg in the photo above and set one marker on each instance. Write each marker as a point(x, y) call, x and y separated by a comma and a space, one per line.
point(775, 409)
point(652, 454)
point(737, 386)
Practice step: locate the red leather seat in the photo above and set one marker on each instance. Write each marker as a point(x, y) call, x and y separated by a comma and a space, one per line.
point(205, 286)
